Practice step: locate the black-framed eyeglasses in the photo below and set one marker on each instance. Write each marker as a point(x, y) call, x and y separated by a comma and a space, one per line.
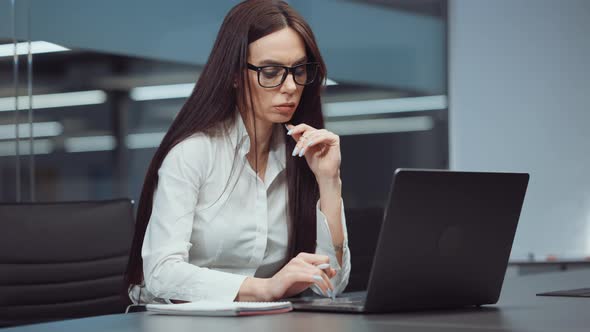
point(274, 75)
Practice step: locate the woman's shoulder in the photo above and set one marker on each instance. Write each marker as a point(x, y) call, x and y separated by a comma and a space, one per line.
point(191, 152)
point(200, 141)
point(199, 147)
point(195, 142)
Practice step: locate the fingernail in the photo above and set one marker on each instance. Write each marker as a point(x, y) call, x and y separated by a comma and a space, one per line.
point(323, 266)
point(295, 151)
point(308, 144)
point(330, 294)
point(290, 132)
point(318, 278)
point(302, 152)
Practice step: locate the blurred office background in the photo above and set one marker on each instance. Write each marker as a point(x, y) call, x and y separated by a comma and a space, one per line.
point(460, 84)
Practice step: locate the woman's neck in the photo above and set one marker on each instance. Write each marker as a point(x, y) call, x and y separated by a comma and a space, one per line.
point(260, 143)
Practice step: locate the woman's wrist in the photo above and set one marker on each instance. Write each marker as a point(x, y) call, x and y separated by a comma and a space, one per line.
point(330, 184)
point(254, 289)
point(329, 179)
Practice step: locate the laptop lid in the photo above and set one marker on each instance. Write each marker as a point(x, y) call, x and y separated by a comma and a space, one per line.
point(445, 239)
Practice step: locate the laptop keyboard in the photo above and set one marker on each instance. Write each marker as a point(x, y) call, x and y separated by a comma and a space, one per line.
point(354, 300)
point(346, 299)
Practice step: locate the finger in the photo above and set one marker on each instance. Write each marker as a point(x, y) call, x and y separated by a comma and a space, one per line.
point(322, 280)
point(299, 263)
point(331, 272)
point(327, 273)
point(327, 281)
point(300, 275)
point(301, 141)
point(313, 259)
point(298, 130)
point(318, 277)
point(318, 290)
point(307, 140)
point(322, 284)
point(328, 270)
point(318, 141)
point(310, 135)
point(298, 146)
point(305, 135)
point(319, 281)
point(322, 138)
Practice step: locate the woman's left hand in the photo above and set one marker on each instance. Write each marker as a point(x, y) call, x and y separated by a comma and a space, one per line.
point(320, 147)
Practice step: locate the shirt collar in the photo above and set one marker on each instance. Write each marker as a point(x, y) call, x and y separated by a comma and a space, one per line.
point(239, 136)
point(278, 145)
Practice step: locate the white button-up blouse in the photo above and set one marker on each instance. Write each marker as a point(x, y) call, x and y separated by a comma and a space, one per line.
point(207, 234)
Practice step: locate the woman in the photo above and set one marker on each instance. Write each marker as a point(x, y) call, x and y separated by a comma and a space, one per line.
point(242, 200)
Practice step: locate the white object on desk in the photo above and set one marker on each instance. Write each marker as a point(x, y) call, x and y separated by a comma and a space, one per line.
point(209, 308)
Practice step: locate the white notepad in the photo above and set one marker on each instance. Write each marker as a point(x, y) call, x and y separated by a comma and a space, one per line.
point(208, 308)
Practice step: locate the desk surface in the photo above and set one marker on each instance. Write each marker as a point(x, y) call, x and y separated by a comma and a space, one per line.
point(518, 310)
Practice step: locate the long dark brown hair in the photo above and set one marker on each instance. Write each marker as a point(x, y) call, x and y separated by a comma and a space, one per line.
point(214, 100)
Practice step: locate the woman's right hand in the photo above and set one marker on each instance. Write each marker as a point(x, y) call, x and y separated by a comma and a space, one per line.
point(298, 275)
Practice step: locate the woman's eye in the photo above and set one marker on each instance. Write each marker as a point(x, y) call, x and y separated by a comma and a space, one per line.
point(271, 72)
point(300, 71)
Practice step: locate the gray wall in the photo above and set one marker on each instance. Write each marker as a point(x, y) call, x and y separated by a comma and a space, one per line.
point(519, 101)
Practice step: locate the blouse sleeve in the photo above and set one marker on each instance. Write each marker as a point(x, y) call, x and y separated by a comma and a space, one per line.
point(325, 247)
point(165, 251)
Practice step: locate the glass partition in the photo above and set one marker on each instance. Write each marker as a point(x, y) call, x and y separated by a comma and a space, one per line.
point(106, 78)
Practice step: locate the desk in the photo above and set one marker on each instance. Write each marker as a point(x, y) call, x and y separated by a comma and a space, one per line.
point(518, 310)
point(525, 267)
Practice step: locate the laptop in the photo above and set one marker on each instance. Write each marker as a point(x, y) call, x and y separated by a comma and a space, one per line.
point(444, 242)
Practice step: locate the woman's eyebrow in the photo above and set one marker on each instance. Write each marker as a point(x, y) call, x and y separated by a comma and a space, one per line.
point(278, 63)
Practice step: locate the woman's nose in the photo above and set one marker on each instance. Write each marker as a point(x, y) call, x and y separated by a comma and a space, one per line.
point(289, 84)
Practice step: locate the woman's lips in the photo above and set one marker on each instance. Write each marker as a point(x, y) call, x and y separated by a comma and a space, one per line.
point(285, 108)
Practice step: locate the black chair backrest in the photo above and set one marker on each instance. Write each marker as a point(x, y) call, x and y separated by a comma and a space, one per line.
point(63, 260)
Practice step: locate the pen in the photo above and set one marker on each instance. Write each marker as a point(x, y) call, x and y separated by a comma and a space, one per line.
point(288, 130)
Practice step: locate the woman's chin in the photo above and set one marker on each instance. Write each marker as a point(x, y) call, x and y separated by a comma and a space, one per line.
point(281, 117)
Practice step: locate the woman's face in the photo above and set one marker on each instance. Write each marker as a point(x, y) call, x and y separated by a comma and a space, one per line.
point(284, 47)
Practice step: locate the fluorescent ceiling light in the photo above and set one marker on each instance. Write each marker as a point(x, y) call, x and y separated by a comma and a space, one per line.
point(108, 142)
point(330, 82)
point(145, 140)
point(40, 146)
point(153, 140)
point(53, 100)
point(40, 129)
point(171, 91)
point(162, 91)
point(380, 126)
point(36, 48)
point(349, 127)
point(384, 106)
point(90, 143)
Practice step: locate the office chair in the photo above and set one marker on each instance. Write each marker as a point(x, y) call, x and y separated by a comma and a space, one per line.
point(63, 260)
